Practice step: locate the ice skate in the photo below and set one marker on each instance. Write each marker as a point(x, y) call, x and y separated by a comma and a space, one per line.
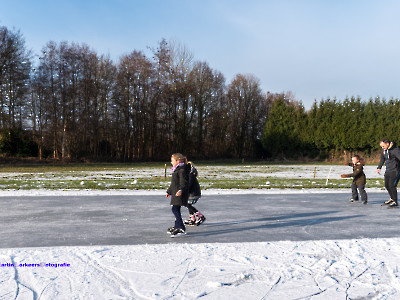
point(191, 221)
point(177, 232)
point(199, 218)
point(387, 202)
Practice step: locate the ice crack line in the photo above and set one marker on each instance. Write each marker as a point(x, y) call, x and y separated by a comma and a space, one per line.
point(348, 285)
point(114, 279)
point(52, 280)
point(275, 284)
point(180, 282)
point(314, 294)
point(183, 277)
point(18, 282)
point(309, 296)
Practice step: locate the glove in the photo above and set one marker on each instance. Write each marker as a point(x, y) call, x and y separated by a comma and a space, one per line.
point(343, 175)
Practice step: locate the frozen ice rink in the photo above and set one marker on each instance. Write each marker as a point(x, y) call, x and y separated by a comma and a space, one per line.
point(261, 245)
point(43, 221)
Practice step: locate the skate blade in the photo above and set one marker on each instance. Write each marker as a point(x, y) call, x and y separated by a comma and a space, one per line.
point(178, 235)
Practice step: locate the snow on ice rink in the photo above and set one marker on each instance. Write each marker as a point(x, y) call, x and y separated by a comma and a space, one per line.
point(354, 268)
point(342, 269)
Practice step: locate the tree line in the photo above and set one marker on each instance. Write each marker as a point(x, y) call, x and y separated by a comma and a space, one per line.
point(72, 103)
point(75, 103)
point(331, 127)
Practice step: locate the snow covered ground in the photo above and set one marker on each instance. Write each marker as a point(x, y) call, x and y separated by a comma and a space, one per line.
point(211, 177)
point(342, 269)
point(329, 269)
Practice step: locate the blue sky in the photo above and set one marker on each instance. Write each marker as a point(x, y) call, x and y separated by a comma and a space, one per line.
point(315, 49)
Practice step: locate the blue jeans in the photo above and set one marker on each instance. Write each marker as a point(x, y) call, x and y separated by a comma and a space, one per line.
point(176, 210)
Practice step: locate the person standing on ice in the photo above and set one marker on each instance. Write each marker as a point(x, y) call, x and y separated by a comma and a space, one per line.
point(179, 192)
point(195, 217)
point(390, 156)
point(359, 179)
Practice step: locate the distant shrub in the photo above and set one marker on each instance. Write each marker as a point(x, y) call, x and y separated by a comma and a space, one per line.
point(17, 142)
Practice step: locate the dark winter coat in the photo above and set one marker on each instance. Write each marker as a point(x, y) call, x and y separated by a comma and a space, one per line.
point(194, 186)
point(391, 159)
point(179, 181)
point(358, 174)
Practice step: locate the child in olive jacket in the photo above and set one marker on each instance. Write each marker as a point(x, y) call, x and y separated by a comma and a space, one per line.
point(359, 179)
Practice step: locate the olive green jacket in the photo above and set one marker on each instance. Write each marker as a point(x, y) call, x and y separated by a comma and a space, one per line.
point(358, 174)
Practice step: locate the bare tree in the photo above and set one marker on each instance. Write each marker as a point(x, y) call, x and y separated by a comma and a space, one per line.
point(247, 108)
point(105, 79)
point(207, 94)
point(134, 78)
point(15, 68)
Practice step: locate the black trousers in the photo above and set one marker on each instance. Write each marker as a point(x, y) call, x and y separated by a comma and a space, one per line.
point(391, 184)
point(361, 189)
point(192, 209)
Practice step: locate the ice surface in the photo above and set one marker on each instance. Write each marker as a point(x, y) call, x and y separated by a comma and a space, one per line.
point(309, 244)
